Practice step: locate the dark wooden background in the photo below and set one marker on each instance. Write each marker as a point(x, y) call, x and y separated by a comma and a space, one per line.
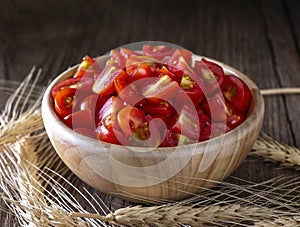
point(260, 38)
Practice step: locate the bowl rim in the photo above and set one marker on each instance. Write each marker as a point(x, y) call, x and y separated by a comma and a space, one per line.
point(47, 102)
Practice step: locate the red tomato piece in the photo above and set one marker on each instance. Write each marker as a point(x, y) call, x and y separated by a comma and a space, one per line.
point(158, 52)
point(187, 124)
point(127, 92)
point(236, 92)
point(134, 124)
point(212, 74)
point(126, 53)
point(86, 132)
point(162, 89)
point(63, 102)
point(107, 124)
point(173, 73)
point(81, 118)
point(216, 107)
point(141, 72)
point(192, 89)
point(82, 83)
point(104, 84)
point(87, 68)
point(235, 120)
point(117, 59)
point(162, 108)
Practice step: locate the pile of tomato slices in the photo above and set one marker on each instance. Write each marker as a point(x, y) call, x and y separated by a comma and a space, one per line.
point(157, 97)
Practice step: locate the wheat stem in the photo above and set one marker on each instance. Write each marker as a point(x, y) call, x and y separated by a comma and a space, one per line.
point(280, 91)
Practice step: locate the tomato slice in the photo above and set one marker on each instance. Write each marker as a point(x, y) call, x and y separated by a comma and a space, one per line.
point(83, 83)
point(141, 72)
point(107, 125)
point(133, 124)
point(212, 74)
point(217, 108)
point(81, 118)
point(104, 84)
point(236, 92)
point(126, 53)
point(127, 92)
point(63, 102)
point(187, 124)
point(117, 59)
point(158, 52)
point(162, 89)
point(86, 132)
point(87, 68)
point(173, 139)
point(191, 88)
point(162, 108)
point(172, 72)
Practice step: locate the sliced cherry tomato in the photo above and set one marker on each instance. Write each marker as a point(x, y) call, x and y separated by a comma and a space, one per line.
point(117, 59)
point(134, 124)
point(81, 118)
point(127, 92)
point(236, 92)
point(86, 132)
point(173, 73)
point(63, 102)
point(161, 108)
point(187, 123)
point(126, 53)
point(162, 89)
point(158, 52)
point(82, 83)
point(173, 139)
point(107, 120)
point(212, 74)
point(216, 107)
point(94, 103)
point(235, 120)
point(104, 84)
point(141, 72)
point(87, 68)
point(191, 88)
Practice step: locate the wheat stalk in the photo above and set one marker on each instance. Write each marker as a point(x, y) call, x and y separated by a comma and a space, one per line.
point(174, 215)
point(272, 150)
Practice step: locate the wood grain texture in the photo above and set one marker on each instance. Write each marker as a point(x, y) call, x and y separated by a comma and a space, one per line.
point(260, 38)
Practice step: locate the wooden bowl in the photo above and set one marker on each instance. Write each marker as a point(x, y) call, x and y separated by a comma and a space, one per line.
point(153, 175)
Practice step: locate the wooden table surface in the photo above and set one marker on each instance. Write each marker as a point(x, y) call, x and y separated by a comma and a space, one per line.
point(259, 38)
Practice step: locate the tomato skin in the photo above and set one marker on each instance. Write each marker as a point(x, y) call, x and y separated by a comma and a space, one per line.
point(104, 83)
point(141, 72)
point(187, 124)
point(86, 132)
point(192, 89)
point(117, 59)
point(106, 120)
point(87, 68)
point(216, 107)
point(172, 72)
point(162, 89)
point(133, 123)
point(236, 92)
point(64, 101)
point(81, 118)
point(212, 74)
point(81, 83)
point(162, 108)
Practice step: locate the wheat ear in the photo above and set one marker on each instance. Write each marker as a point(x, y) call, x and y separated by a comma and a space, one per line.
point(272, 150)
